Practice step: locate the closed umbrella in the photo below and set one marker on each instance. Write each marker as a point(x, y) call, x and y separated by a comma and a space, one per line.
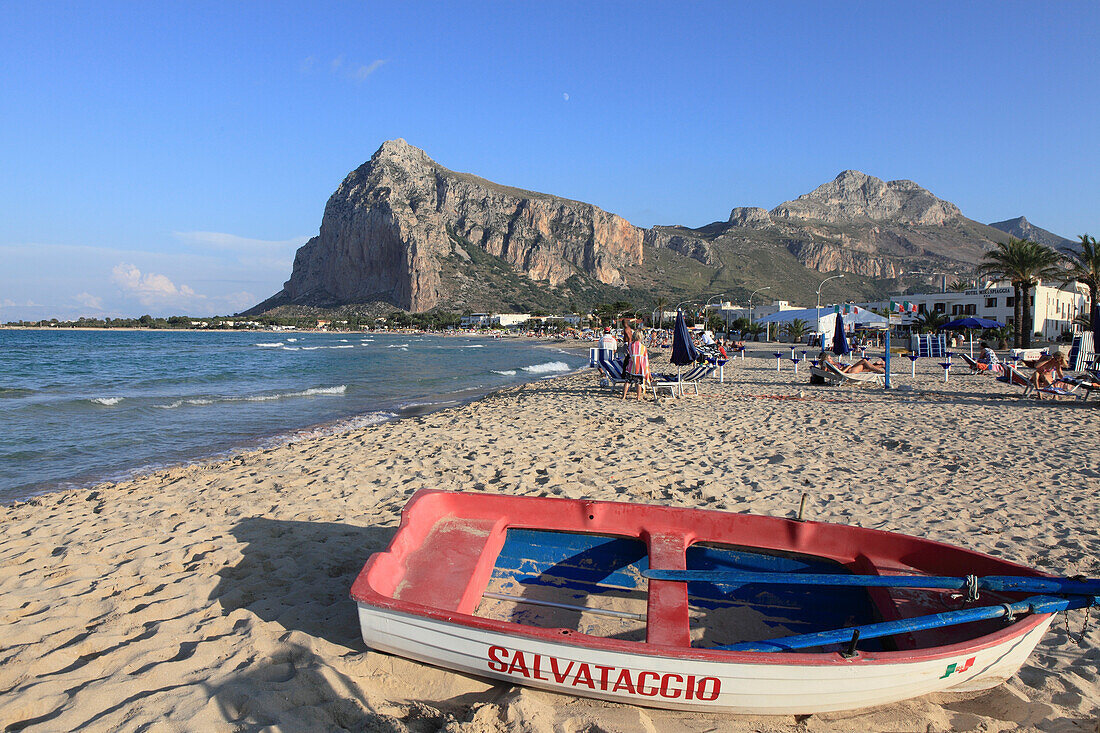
point(683, 350)
point(1096, 325)
point(840, 341)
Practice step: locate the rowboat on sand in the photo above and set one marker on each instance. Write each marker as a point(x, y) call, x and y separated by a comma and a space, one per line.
point(698, 610)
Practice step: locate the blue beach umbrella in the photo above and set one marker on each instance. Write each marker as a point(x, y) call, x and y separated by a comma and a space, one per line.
point(840, 341)
point(968, 323)
point(683, 350)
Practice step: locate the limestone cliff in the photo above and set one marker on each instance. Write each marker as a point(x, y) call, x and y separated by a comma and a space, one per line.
point(396, 223)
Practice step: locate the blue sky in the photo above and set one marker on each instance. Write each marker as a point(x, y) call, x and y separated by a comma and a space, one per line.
point(170, 157)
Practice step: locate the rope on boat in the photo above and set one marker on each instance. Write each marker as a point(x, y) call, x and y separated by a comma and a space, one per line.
point(568, 607)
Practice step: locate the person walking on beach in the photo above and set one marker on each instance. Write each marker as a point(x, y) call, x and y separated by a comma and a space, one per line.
point(638, 370)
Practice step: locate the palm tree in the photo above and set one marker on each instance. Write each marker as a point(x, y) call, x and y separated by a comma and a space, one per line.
point(796, 329)
point(660, 306)
point(1024, 263)
point(930, 321)
point(959, 286)
point(1084, 267)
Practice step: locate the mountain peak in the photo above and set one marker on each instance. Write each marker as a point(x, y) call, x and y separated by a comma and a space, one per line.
point(856, 197)
point(1021, 228)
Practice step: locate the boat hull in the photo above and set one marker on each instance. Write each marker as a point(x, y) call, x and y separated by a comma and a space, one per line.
point(678, 683)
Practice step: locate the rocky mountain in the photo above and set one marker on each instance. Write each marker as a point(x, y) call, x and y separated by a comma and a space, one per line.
point(857, 198)
point(403, 231)
point(1021, 228)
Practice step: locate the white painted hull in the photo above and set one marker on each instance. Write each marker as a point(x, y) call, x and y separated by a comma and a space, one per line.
point(688, 684)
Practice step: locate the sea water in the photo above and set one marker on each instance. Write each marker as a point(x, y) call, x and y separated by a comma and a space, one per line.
point(77, 407)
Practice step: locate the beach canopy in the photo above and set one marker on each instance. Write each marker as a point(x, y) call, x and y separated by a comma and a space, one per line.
point(821, 320)
point(970, 322)
point(840, 341)
point(683, 350)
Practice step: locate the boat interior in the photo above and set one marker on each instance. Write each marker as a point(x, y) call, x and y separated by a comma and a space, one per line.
point(576, 565)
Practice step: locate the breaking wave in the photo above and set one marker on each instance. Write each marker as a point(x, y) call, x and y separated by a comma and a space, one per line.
point(547, 367)
point(106, 400)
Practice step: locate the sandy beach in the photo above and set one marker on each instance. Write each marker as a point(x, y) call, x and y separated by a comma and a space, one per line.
point(215, 597)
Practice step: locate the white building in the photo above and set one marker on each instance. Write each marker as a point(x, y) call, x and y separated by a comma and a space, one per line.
point(1052, 308)
point(504, 320)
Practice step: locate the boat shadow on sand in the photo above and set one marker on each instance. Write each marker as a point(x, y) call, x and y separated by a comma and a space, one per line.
point(296, 576)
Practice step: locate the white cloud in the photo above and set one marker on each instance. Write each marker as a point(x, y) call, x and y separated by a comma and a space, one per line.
point(307, 65)
point(352, 71)
point(89, 301)
point(364, 71)
point(565, 96)
point(225, 241)
point(150, 288)
point(8, 303)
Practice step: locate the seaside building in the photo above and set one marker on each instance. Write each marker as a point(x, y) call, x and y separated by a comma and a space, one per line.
point(1053, 308)
point(504, 320)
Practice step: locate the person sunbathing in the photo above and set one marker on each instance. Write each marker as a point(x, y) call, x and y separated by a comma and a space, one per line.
point(1049, 370)
point(878, 366)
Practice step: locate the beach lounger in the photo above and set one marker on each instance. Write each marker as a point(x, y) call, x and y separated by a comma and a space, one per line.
point(831, 374)
point(676, 382)
point(1016, 378)
point(612, 369)
point(1087, 381)
point(979, 368)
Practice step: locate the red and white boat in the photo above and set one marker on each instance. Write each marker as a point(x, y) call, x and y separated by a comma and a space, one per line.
point(697, 610)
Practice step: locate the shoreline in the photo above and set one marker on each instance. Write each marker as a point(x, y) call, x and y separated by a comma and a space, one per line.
point(215, 596)
point(285, 438)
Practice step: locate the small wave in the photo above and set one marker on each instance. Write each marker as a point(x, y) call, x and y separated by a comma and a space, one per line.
point(505, 372)
point(343, 341)
point(313, 391)
point(106, 400)
point(292, 340)
point(304, 393)
point(550, 366)
point(272, 345)
point(349, 346)
point(474, 346)
point(292, 348)
point(311, 348)
point(14, 392)
point(398, 346)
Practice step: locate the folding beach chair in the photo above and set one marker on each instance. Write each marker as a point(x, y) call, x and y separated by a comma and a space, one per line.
point(612, 369)
point(979, 368)
point(832, 375)
point(1015, 378)
point(676, 383)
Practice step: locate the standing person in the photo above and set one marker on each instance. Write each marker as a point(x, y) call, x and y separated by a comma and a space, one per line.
point(628, 338)
point(638, 370)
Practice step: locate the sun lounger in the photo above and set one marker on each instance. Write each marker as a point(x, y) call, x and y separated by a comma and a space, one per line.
point(1016, 378)
point(977, 367)
point(676, 382)
point(612, 369)
point(831, 374)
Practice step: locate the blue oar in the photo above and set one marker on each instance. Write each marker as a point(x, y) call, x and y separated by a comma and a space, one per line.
point(1010, 583)
point(1035, 604)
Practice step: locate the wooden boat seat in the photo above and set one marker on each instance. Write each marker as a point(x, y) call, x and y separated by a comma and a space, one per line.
point(451, 569)
point(667, 607)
